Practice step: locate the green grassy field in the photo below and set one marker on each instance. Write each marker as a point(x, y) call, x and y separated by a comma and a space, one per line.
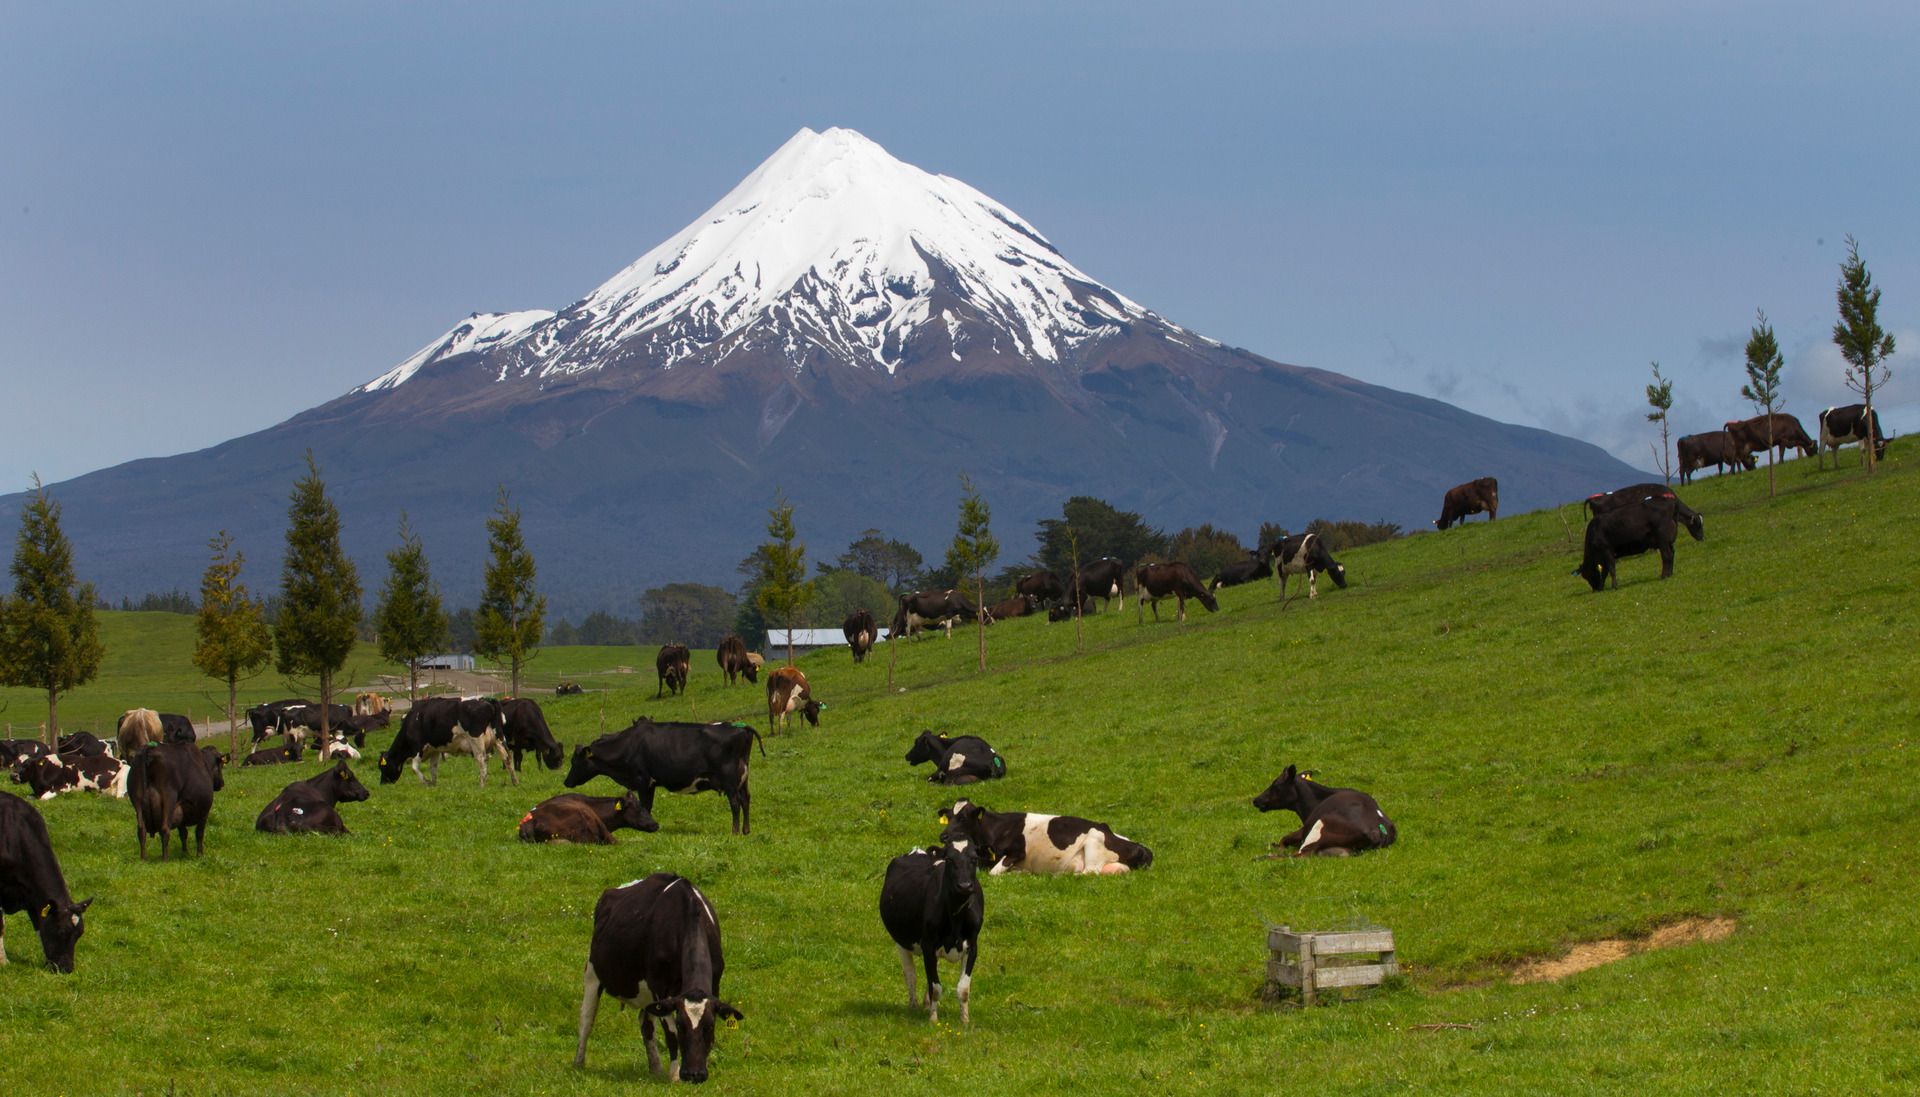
point(1563, 766)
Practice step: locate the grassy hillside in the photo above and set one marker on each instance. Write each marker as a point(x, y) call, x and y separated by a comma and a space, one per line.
point(1563, 766)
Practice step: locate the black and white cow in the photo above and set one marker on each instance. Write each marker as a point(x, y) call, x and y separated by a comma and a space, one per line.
point(307, 807)
point(14, 752)
point(172, 786)
point(1103, 579)
point(1176, 578)
point(961, 760)
point(941, 608)
point(524, 727)
point(1024, 841)
point(1257, 565)
point(437, 726)
point(861, 631)
point(1305, 554)
point(30, 880)
point(1841, 425)
point(1639, 525)
point(932, 905)
point(48, 775)
point(677, 757)
point(83, 744)
point(656, 947)
point(1333, 821)
point(671, 663)
point(271, 717)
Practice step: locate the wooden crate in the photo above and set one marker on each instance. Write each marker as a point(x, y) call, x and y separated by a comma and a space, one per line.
point(1313, 962)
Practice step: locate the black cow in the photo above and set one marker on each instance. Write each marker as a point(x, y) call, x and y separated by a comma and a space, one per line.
point(1100, 579)
point(931, 607)
point(83, 744)
point(1841, 425)
point(656, 947)
point(1026, 841)
point(524, 727)
point(1472, 497)
point(1607, 501)
point(1750, 435)
point(307, 807)
point(961, 760)
point(932, 906)
point(175, 728)
point(172, 788)
point(1042, 586)
point(1305, 553)
point(672, 664)
point(1257, 565)
point(1157, 581)
point(861, 632)
point(735, 659)
point(1333, 821)
point(677, 757)
point(437, 726)
point(30, 880)
point(574, 817)
point(1714, 447)
point(1637, 526)
point(1064, 611)
point(274, 756)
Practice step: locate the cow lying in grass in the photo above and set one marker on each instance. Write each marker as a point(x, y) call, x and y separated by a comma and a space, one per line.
point(961, 760)
point(1023, 841)
point(574, 817)
point(307, 807)
point(1333, 821)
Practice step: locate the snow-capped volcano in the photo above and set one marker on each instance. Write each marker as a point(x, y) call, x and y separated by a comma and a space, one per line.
point(833, 244)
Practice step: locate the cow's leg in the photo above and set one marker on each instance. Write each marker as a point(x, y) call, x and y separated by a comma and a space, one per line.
point(511, 764)
point(670, 1033)
point(999, 868)
point(646, 1037)
point(1313, 584)
point(1182, 599)
point(906, 972)
point(199, 838)
point(965, 989)
point(1666, 559)
point(3, 954)
point(1332, 837)
point(1093, 851)
point(1292, 840)
point(589, 1008)
point(416, 770)
point(741, 801)
point(930, 955)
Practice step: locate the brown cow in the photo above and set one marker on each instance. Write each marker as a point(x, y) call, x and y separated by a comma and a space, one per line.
point(1751, 436)
point(572, 817)
point(861, 632)
point(1714, 447)
point(735, 659)
point(371, 704)
point(788, 693)
point(1018, 606)
point(1472, 497)
point(1156, 581)
point(672, 664)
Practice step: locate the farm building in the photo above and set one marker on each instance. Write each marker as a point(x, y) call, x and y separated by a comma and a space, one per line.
point(449, 661)
point(807, 639)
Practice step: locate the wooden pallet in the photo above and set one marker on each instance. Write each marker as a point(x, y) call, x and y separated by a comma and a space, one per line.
point(1313, 962)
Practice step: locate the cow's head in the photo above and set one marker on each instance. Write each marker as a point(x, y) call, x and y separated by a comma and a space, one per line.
point(925, 749)
point(627, 812)
point(1593, 573)
point(1209, 601)
point(389, 767)
point(1283, 794)
point(963, 868)
point(963, 830)
point(216, 764)
point(60, 925)
point(348, 787)
point(811, 710)
point(1336, 572)
point(583, 769)
point(695, 1015)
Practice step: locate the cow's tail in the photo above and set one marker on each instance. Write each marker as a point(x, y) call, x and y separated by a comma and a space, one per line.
point(756, 737)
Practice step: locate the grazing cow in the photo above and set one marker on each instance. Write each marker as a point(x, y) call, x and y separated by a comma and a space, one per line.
point(788, 693)
point(1333, 821)
point(1157, 581)
point(175, 728)
point(275, 756)
point(438, 726)
point(932, 906)
point(656, 947)
point(931, 607)
point(172, 788)
point(1841, 425)
point(371, 704)
point(676, 757)
point(524, 727)
point(30, 880)
point(1064, 611)
point(307, 807)
point(49, 775)
point(961, 760)
point(1714, 447)
point(83, 744)
point(1750, 435)
point(1305, 553)
point(573, 817)
point(1025, 841)
point(1634, 527)
point(1020, 605)
point(734, 659)
point(1472, 497)
point(1257, 565)
point(860, 632)
point(1042, 586)
point(136, 728)
point(672, 664)
point(1607, 501)
point(1100, 579)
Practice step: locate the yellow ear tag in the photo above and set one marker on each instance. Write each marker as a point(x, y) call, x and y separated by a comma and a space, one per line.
point(47, 910)
point(733, 1022)
point(944, 819)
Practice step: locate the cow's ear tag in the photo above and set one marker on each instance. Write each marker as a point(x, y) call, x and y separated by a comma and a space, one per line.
point(733, 1022)
point(944, 819)
point(1306, 777)
point(46, 911)
point(589, 752)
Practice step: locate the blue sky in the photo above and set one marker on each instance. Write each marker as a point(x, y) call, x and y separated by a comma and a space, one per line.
point(213, 216)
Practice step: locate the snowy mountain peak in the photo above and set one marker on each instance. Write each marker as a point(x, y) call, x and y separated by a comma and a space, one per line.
point(831, 243)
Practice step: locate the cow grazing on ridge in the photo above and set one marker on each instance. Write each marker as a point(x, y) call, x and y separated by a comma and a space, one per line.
point(932, 906)
point(961, 760)
point(1257, 565)
point(1023, 841)
point(1750, 435)
point(524, 728)
point(1841, 425)
point(437, 726)
point(1103, 579)
point(1305, 554)
point(574, 817)
point(1472, 497)
point(735, 659)
point(1333, 821)
point(674, 756)
point(1714, 447)
point(30, 880)
point(1175, 578)
point(656, 947)
point(788, 693)
point(136, 728)
point(931, 607)
point(860, 632)
point(672, 664)
point(1629, 529)
point(308, 807)
point(1042, 586)
point(172, 788)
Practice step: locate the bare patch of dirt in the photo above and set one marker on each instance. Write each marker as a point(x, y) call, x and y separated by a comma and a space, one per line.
point(1591, 954)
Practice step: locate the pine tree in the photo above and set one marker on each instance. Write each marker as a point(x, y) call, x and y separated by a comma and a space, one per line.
point(1764, 364)
point(1860, 338)
point(1660, 399)
point(783, 587)
point(231, 628)
point(974, 549)
point(508, 625)
point(408, 620)
point(319, 615)
point(49, 639)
